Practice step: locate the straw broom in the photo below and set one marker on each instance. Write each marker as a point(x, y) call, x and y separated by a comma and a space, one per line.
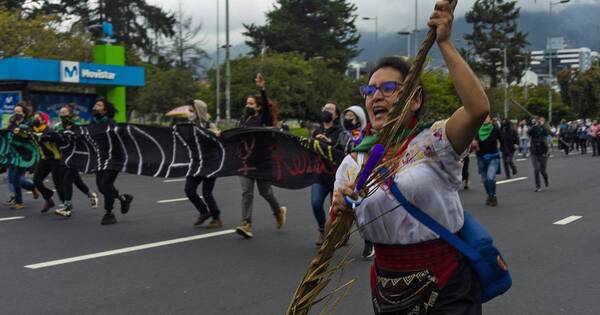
point(319, 274)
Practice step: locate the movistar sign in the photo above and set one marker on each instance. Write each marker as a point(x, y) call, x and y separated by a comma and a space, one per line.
point(45, 70)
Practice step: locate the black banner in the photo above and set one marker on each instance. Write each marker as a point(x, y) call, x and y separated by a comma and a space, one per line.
point(187, 150)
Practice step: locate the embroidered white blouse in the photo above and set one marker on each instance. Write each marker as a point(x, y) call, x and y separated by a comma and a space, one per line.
point(430, 179)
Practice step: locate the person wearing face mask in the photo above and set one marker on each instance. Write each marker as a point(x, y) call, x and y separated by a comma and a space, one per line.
point(207, 205)
point(414, 270)
point(103, 113)
point(49, 162)
point(510, 143)
point(488, 158)
point(259, 113)
point(539, 152)
point(328, 132)
point(20, 125)
point(70, 176)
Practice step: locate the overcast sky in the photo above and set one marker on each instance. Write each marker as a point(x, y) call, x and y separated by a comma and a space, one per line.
point(393, 15)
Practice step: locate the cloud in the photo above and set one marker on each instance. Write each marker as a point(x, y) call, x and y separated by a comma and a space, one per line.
point(392, 15)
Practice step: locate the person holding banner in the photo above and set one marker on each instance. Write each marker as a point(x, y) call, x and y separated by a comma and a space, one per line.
point(259, 113)
point(103, 112)
point(207, 205)
point(414, 271)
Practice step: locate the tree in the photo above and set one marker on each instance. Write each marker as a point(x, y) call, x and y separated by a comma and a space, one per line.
point(314, 28)
point(301, 87)
point(495, 26)
point(186, 46)
point(41, 36)
point(133, 20)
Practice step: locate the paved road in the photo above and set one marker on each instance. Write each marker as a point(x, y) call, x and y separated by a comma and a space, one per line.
point(553, 266)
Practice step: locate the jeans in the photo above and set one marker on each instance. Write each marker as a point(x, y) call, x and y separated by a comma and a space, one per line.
point(508, 160)
point(105, 180)
point(25, 183)
point(264, 189)
point(595, 144)
point(42, 170)
point(207, 203)
point(15, 179)
point(524, 146)
point(539, 162)
point(487, 169)
point(318, 193)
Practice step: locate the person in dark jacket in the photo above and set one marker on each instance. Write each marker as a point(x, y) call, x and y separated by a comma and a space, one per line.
point(70, 176)
point(328, 132)
point(20, 126)
point(488, 158)
point(259, 113)
point(103, 113)
point(510, 143)
point(539, 152)
point(207, 205)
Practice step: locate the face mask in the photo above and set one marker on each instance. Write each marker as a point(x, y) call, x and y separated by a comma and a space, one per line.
point(36, 123)
point(66, 120)
point(349, 125)
point(250, 111)
point(17, 117)
point(326, 116)
point(96, 113)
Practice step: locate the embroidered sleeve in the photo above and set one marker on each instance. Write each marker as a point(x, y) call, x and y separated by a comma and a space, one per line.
point(346, 172)
point(442, 146)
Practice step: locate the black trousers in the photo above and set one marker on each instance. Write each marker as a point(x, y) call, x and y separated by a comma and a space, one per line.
point(105, 180)
point(508, 161)
point(42, 170)
point(71, 177)
point(465, 168)
point(209, 204)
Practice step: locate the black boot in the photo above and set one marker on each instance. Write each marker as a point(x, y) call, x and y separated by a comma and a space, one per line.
point(108, 219)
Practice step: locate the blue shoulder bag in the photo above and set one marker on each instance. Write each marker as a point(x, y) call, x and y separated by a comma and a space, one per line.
point(473, 241)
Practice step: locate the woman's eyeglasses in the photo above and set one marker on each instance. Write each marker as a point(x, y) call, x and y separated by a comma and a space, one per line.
point(386, 88)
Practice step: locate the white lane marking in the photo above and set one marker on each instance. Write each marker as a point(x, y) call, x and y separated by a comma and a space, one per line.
point(510, 180)
point(173, 180)
point(521, 160)
point(11, 218)
point(127, 250)
point(568, 220)
point(172, 200)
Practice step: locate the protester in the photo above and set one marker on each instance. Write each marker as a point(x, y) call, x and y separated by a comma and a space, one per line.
point(328, 133)
point(510, 143)
point(259, 113)
point(522, 130)
point(413, 268)
point(488, 158)
point(539, 152)
point(70, 176)
point(20, 127)
point(594, 138)
point(207, 205)
point(49, 162)
point(103, 113)
point(582, 136)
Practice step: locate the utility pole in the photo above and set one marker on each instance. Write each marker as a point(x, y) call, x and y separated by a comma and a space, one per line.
point(227, 66)
point(218, 103)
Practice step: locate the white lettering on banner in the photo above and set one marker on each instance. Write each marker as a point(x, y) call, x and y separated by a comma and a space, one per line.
point(98, 74)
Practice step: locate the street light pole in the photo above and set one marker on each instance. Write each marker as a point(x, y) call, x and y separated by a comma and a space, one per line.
point(505, 78)
point(227, 66)
point(550, 56)
point(408, 43)
point(218, 103)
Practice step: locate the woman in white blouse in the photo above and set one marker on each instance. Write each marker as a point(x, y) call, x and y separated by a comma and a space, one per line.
point(414, 271)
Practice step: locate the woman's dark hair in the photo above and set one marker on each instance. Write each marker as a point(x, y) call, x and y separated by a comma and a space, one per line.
point(70, 107)
point(403, 67)
point(108, 107)
point(23, 105)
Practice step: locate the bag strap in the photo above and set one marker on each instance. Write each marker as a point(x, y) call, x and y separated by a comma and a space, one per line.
point(433, 225)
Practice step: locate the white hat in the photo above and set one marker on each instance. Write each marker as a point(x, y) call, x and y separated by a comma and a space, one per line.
point(359, 112)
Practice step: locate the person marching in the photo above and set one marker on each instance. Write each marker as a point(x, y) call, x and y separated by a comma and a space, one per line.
point(510, 143)
point(328, 132)
point(259, 113)
point(103, 113)
point(539, 152)
point(414, 271)
point(49, 162)
point(488, 158)
point(20, 128)
point(206, 206)
point(69, 175)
